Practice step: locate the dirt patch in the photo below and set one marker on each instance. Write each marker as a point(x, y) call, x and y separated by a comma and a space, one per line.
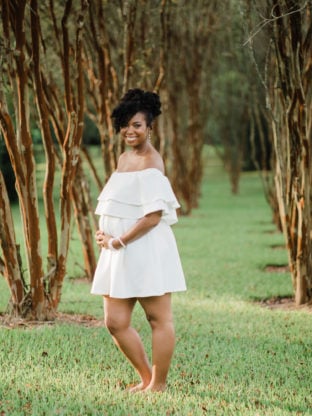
point(278, 247)
point(284, 303)
point(85, 320)
point(275, 231)
point(277, 268)
point(6, 321)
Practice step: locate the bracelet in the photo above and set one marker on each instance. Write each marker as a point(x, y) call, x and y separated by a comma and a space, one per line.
point(121, 242)
point(110, 244)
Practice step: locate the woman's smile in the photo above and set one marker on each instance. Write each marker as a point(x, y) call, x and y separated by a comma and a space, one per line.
point(135, 132)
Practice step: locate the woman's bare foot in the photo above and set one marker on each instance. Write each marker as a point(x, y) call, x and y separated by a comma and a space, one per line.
point(155, 388)
point(136, 388)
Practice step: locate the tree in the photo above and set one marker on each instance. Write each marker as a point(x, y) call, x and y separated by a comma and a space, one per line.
point(230, 95)
point(119, 53)
point(186, 90)
point(288, 82)
point(22, 48)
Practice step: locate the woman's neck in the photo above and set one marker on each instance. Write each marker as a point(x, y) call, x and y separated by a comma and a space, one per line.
point(141, 149)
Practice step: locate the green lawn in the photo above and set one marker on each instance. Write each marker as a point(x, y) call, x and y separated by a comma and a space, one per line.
point(233, 357)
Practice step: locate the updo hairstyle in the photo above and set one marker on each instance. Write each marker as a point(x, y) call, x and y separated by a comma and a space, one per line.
point(135, 101)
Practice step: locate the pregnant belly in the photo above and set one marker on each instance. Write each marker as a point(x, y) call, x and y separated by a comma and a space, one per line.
point(115, 226)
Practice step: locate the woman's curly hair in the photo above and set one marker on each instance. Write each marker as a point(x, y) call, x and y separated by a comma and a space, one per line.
point(135, 101)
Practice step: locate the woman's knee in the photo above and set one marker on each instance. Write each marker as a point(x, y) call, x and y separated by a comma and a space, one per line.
point(159, 320)
point(158, 310)
point(117, 314)
point(116, 324)
point(109, 324)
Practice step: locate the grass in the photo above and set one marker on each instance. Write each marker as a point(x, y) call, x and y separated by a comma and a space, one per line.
point(233, 357)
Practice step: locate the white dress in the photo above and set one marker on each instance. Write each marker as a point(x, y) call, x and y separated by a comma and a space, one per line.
point(149, 265)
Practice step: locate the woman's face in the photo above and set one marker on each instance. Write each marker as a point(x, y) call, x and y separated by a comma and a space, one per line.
point(135, 133)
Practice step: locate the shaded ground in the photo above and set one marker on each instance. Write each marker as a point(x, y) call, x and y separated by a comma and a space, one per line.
point(279, 302)
point(274, 303)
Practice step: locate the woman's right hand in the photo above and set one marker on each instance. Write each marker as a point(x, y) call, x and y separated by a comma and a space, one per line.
point(99, 238)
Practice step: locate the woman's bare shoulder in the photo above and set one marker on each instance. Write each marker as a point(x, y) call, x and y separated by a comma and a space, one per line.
point(122, 159)
point(155, 161)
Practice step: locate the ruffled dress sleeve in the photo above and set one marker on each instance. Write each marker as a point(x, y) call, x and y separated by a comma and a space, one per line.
point(135, 194)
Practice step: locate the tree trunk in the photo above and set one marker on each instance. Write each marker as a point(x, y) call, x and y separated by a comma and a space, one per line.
point(22, 159)
point(47, 141)
point(291, 103)
point(42, 298)
point(10, 265)
point(81, 210)
point(188, 25)
point(71, 144)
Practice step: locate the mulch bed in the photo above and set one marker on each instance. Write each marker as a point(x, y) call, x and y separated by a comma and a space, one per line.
point(277, 268)
point(284, 303)
point(279, 302)
point(6, 321)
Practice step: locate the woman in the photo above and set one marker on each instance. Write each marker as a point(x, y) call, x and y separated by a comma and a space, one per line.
point(139, 260)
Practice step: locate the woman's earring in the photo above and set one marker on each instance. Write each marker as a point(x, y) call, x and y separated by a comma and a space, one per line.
point(149, 135)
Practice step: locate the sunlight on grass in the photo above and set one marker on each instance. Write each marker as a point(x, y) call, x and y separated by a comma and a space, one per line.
point(232, 356)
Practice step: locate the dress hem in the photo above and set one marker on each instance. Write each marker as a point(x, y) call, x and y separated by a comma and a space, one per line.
point(139, 296)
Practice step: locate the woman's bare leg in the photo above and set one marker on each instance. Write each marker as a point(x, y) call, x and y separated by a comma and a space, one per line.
point(117, 320)
point(159, 314)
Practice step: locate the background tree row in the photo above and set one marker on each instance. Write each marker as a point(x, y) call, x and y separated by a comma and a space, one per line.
point(65, 65)
point(61, 61)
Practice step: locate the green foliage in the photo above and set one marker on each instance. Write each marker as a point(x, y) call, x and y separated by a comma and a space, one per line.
point(90, 132)
point(232, 357)
point(236, 91)
point(7, 171)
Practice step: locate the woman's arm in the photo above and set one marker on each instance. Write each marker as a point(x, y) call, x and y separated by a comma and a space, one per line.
point(141, 227)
